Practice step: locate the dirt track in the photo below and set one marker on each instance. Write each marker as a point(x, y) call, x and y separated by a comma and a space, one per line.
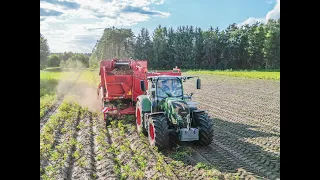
point(246, 114)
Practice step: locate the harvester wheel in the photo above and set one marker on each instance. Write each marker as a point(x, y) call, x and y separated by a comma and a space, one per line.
point(206, 128)
point(139, 120)
point(158, 132)
point(106, 120)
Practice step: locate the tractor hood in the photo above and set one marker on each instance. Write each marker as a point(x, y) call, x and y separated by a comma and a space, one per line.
point(179, 111)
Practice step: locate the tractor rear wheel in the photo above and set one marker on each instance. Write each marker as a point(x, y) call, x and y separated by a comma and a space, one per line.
point(206, 128)
point(158, 132)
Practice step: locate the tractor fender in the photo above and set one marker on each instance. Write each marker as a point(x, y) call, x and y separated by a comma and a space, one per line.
point(198, 111)
point(147, 115)
point(145, 103)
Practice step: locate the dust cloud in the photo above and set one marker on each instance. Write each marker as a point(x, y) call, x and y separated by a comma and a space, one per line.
point(72, 84)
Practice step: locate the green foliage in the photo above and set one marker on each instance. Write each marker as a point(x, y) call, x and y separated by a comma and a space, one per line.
point(143, 46)
point(113, 43)
point(254, 46)
point(44, 51)
point(246, 47)
point(275, 75)
point(53, 61)
point(77, 60)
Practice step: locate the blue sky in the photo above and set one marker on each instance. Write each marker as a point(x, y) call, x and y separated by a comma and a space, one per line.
point(75, 25)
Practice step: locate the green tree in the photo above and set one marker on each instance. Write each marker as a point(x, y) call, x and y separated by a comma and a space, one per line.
point(113, 43)
point(199, 48)
point(161, 49)
point(78, 60)
point(272, 45)
point(44, 51)
point(254, 46)
point(53, 61)
point(143, 46)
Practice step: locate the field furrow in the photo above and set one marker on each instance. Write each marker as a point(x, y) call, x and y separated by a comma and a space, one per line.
point(83, 156)
point(60, 149)
point(50, 113)
point(105, 157)
point(76, 144)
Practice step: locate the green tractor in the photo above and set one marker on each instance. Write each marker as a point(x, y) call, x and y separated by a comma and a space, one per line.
point(164, 111)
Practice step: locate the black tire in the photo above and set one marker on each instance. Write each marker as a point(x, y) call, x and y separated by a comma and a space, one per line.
point(107, 122)
point(206, 128)
point(159, 126)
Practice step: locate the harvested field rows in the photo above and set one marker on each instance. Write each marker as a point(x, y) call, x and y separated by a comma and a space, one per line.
point(76, 144)
point(246, 115)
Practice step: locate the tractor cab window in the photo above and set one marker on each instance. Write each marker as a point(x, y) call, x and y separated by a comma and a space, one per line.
point(169, 87)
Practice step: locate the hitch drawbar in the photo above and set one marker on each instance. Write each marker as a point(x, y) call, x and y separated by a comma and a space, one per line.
point(189, 135)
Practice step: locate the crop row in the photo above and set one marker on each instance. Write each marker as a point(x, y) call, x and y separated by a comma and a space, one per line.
point(58, 141)
point(246, 124)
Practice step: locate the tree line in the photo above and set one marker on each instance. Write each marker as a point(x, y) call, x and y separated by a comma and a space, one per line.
point(255, 46)
point(63, 60)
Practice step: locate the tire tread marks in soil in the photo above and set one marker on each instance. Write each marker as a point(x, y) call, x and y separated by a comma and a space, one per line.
point(70, 160)
point(84, 166)
point(104, 160)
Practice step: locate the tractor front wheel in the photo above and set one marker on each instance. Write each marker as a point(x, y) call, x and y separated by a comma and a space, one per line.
point(158, 132)
point(139, 119)
point(206, 128)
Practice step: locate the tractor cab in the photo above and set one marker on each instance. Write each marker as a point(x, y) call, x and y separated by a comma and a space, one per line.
point(165, 87)
point(169, 87)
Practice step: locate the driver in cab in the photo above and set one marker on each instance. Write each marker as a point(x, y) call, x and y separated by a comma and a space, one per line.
point(165, 87)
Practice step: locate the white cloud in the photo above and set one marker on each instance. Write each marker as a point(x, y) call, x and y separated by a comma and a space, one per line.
point(78, 28)
point(273, 14)
point(270, 1)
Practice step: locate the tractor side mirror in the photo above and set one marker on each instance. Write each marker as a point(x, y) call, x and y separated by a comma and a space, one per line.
point(198, 84)
point(142, 85)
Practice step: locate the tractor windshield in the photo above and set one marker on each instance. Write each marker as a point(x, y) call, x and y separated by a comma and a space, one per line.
point(169, 88)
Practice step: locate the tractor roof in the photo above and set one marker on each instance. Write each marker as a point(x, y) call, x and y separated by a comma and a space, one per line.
point(169, 77)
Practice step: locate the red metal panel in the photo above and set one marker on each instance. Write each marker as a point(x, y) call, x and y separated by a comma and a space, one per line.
point(118, 86)
point(127, 86)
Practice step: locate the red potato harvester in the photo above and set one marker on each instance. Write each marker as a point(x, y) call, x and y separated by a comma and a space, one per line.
point(120, 85)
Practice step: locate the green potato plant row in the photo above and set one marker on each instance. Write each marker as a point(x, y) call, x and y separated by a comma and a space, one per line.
point(60, 156)
point(106, 164)
point(128, 163)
